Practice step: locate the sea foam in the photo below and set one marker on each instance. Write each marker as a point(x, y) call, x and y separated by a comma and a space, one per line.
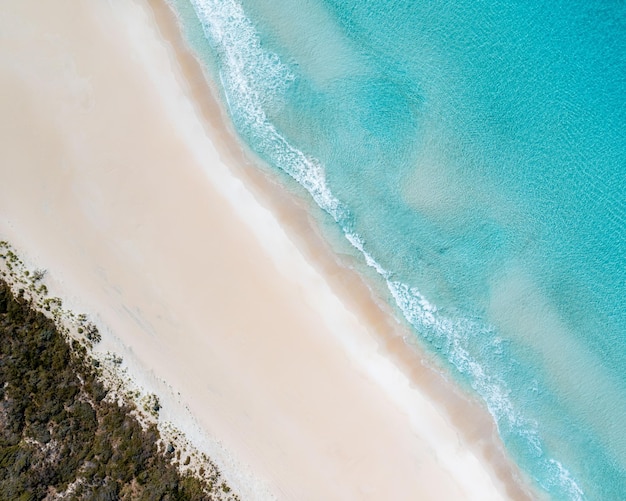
point(258, 85)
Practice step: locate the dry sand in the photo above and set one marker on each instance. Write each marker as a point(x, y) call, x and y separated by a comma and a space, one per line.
point(118, 179)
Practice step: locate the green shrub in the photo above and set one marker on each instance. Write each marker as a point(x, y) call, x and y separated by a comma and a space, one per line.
point(52, 397)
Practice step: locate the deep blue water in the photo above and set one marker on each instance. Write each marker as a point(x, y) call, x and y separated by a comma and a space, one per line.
point(474, 153)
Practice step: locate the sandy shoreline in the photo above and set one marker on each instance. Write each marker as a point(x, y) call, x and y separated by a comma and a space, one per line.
point(145, 226)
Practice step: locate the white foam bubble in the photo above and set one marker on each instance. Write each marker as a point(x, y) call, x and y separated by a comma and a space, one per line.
point(254, 79)
point(358, 243)
point(568, 481)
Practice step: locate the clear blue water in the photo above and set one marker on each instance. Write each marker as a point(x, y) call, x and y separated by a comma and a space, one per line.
point(474, 153)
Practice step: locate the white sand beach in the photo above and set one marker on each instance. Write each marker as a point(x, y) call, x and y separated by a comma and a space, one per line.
point(114, 180)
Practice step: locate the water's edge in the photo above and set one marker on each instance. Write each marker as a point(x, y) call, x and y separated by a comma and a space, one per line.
point(324, 247)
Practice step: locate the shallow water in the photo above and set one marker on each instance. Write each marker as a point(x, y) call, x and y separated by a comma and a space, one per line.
point(475, 154)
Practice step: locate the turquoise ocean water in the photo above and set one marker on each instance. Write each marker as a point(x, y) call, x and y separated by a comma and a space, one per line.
point(474, 155)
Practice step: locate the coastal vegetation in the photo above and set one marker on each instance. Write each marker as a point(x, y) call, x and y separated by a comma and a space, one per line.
point(61, 433)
